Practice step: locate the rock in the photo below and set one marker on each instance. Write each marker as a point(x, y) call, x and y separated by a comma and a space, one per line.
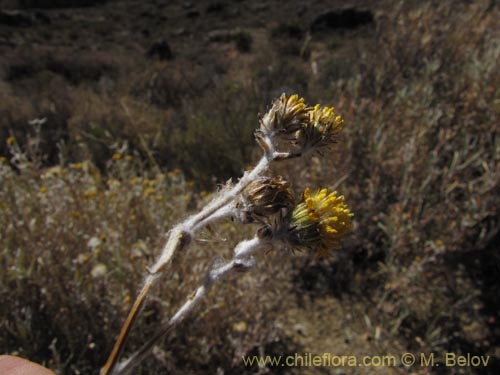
point(22, 19)
point(223, 35)
point(161, 50)
point(42, 17)
point(7, 43)
point(348, 18)
point(259, 7)
point(216, 7)
point(288, 30)
point(181, 31)
point(193, 14)
point(54, 4)
point(15, 18)
point(241, 38)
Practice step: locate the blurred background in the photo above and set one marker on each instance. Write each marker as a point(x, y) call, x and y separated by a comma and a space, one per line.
point(119, 118)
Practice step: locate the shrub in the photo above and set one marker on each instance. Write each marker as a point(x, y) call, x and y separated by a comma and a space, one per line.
point(243, 41)
point(75, 244)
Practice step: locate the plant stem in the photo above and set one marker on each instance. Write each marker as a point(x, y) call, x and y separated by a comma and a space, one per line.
point(125, 330)
point(179, 238)
point(242, 258)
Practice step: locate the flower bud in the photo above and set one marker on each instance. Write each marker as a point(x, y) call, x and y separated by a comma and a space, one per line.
point(287, 115)
point(265, 197)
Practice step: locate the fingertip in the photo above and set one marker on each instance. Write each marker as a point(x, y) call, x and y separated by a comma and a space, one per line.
point(11, 365)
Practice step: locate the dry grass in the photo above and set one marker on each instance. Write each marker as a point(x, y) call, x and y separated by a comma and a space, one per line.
point(420, 158)
point(91, 239)
point(418, 163)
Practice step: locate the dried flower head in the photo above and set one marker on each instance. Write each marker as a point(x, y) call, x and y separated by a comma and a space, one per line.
point(265, 197)
point(287, 115)
point(320, 221)
point(321, 129)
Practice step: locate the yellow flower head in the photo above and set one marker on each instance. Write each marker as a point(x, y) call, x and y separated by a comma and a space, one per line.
point(320, 221)
point(10, 141)
point(287, 115)
point(321, 130)
point(325, 119)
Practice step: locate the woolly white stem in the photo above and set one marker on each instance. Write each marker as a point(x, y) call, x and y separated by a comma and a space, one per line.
point(242, 259)
point(181, 235)
point(228, 196)
point(221, 213)
point(246, 249)
point(191, 223)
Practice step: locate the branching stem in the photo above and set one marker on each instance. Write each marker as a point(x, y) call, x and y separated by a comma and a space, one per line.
point(242, 259)
point(179, 238)
point(289, 117)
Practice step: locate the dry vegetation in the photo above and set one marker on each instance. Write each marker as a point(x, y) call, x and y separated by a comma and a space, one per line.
point(128, 146)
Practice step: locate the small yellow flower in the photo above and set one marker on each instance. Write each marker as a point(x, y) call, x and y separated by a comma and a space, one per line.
point(128, 158)
point(320, 221)
point(148, 192)
point(53, 172)
point(135, 181)
point(325, 118)
point(127, 299)
point(3, 160)
point(90, 193)
point(43, 189)
point(112, 183)
point(77, 166)
point(83, 258)
point(132, 217)
point(116, 156)
point(321, 130)
point(240, 327)
point(11, 140)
